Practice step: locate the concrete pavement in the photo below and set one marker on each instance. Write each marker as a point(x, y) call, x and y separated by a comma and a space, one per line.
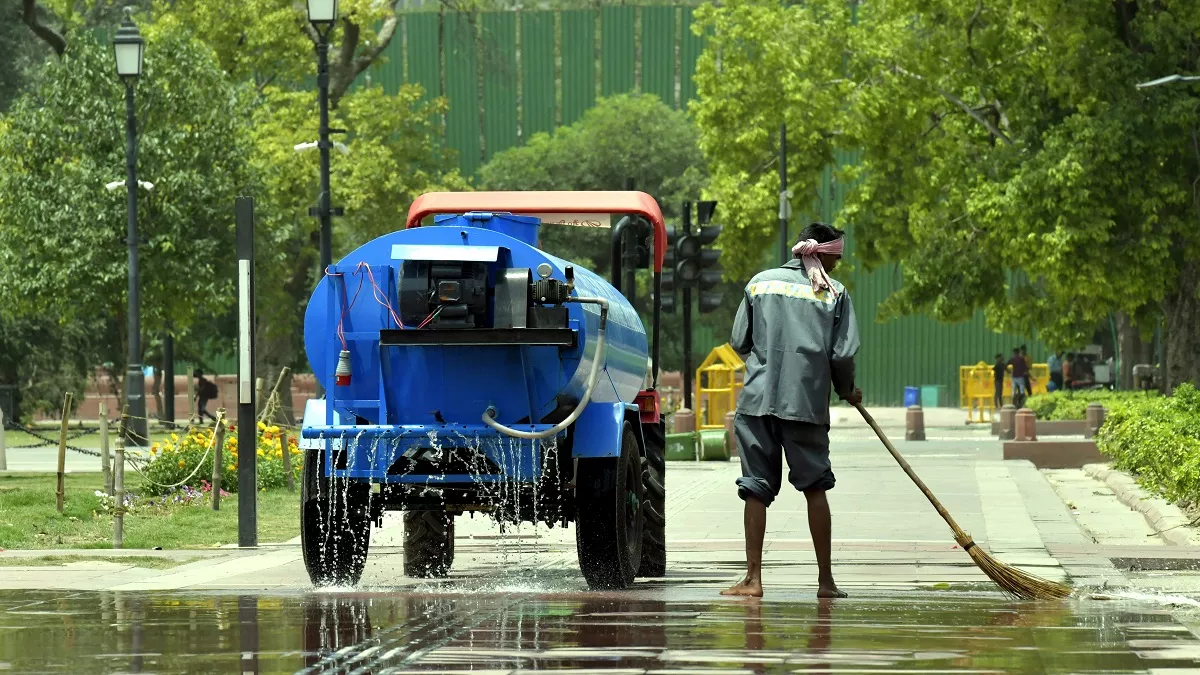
point(886, 535)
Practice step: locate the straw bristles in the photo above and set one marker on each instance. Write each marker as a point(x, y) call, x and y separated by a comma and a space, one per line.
point(1012, 580)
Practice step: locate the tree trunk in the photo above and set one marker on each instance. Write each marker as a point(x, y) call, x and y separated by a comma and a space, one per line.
point(1182, 310)
point(158, 399)
point(1129, 349)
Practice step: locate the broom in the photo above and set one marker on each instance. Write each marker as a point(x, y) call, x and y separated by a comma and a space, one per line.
point(1010, 579)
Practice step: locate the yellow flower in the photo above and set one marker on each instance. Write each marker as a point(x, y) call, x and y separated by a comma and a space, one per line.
point(181, 463)
point(174, 438)
point(273, 429)
point(262, 426)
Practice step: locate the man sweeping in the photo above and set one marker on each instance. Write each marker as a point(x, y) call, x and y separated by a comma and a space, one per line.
point(797, 332)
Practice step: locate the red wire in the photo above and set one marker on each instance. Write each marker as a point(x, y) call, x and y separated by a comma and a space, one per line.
point(378, 293)
point(341, 333)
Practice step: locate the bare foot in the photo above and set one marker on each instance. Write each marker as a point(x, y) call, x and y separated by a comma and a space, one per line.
point(830, 590)
point(746, 588)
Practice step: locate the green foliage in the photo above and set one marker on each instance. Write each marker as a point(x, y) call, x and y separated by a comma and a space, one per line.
point(45, 360)
point(1019, 145)
point(626, 136)
point(62, 234)
point(1158, 440)
point(1060, 405)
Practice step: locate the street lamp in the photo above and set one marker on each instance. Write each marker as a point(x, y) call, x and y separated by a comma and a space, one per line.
point(128, 48)
point(322, 14)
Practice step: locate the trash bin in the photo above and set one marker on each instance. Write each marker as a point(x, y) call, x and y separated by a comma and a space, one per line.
point(912, 396)
point(712, 446)
point(932, 395)
point(681, 447)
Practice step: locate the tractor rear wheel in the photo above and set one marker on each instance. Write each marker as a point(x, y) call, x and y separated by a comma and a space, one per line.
point(335, 524)
point(608, 498)
point(428, 544)
point(654, 479)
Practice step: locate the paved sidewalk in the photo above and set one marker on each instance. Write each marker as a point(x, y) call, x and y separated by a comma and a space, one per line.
point(886, 535)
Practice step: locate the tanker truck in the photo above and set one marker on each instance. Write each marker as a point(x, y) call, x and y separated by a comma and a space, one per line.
point(467, 371)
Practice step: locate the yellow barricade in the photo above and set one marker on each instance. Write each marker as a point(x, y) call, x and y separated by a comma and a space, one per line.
point(717, 386)
point(977, 389)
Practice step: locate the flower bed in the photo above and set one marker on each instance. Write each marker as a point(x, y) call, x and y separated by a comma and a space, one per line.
point(1157, 439)
point(176, 461)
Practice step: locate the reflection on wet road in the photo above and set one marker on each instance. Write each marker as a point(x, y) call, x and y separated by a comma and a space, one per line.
point(639, 632)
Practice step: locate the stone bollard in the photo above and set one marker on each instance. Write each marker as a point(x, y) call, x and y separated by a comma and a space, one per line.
point(1008, 422)
point(1025, 425)
point(730, 438)
point(914, 424)
point(1095, 420)
point(685, 421)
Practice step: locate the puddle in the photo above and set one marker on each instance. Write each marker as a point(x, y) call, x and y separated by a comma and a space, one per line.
point(500, 628)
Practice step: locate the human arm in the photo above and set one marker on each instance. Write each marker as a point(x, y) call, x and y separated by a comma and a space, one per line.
point(845, 347)
point(742, 339)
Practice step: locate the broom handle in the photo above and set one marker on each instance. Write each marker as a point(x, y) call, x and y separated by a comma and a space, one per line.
point(908, 470)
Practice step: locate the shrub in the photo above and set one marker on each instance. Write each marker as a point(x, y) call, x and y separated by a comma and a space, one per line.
point(1062, 405)
point(176, 460)
point(1157, 439)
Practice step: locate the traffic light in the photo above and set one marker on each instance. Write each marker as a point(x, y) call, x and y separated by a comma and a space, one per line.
point(708, 267)
point(667, 283)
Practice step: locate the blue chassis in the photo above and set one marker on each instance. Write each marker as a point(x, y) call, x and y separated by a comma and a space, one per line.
point(375, 448)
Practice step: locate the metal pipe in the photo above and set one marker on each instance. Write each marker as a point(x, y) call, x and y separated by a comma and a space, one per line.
point(324, 210)
point(785, 253)
point(489, 415)
point(615, 251)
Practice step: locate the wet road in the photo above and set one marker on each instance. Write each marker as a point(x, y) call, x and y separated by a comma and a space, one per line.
point(638, 632)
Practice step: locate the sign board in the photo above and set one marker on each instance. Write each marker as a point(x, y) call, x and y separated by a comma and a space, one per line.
point(574, 219)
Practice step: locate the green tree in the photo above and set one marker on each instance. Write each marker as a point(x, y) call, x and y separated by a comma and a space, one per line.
point(626, 136)
point(1015, 168)
point(62, 234)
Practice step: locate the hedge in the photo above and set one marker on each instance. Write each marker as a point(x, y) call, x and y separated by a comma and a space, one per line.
point(1157, 439)
point(1061, 405)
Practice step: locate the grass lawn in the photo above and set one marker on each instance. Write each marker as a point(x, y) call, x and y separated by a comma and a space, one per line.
point(146, 561)
point(28, 519)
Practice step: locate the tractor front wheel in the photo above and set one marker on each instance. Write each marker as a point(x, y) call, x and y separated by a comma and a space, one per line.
point(428, 544)
point(335, 524)
point(608, 507)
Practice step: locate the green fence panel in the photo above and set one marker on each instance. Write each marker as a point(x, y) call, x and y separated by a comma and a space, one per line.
point(658, 52)
point(499, 37)
point(388, 71)
point(422, 54)
point(462, 90)
point(539, 102)
point(617, 49)
point(578, 63)
point(690, 46)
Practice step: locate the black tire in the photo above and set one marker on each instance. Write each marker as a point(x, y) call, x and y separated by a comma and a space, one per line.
point(608, 533)
point(654, 532)
point(335, 524)
point(428, 544)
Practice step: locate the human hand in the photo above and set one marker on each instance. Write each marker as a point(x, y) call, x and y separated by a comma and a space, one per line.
point(854, 399)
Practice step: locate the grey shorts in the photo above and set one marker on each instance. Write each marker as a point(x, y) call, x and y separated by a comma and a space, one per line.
point(763, 442)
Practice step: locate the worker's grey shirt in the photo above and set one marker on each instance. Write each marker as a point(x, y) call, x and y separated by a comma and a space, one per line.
point(797, 342)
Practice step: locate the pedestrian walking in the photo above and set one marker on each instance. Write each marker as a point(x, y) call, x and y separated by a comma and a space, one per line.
point(999, 370)
point(1055, 363)
point(797, 332)
point(1020, 377)
point(206, 390)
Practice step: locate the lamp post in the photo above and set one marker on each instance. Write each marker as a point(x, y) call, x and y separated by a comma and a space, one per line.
point(322, 14)
point(128, 48)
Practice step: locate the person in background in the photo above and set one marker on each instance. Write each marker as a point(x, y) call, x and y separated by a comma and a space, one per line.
point(1020, 377)
point(999, 370)
point(1028, 370)
point(1068, 369)
point(206, 390)
point(1055, 363)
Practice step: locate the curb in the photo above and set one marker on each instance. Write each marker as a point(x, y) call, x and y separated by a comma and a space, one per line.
point(1164, 517)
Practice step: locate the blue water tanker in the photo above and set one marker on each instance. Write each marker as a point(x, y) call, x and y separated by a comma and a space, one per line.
point(466, 370)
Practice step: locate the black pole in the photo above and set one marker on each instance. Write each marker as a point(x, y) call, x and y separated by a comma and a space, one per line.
point(785, 251)
point(135, 379)
point(324, 211)
point(248, 623)
point(618, 233)
point(247, 431)
point(687, 316)
point(168, 372)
